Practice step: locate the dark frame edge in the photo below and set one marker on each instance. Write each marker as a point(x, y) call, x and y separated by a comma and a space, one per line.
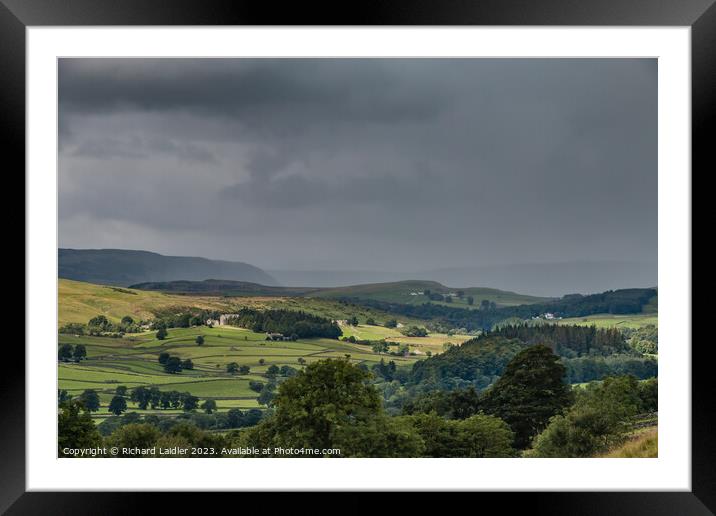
point(703, 123)
point(12, 134)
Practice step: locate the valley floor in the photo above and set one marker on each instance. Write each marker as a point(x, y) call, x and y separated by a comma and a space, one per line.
point(132, 361)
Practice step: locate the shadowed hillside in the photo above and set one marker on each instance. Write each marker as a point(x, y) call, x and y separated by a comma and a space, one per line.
point(126, 267)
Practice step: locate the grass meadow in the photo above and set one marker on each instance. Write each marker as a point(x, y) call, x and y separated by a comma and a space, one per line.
point(132, 361)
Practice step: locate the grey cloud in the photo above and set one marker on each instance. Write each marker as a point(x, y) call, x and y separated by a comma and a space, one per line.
point(437, 163)
point(136, 147)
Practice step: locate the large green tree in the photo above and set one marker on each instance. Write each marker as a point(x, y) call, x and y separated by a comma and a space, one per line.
point(117, 405)
point(64, 352)
point(80, 352)
point(90, 399)
point(529, 393)
point(173, 365)
point(331, 404)
point(209, 406)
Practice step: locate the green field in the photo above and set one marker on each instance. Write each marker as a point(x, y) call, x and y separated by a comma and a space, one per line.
point(132, 361)
point(614, 321)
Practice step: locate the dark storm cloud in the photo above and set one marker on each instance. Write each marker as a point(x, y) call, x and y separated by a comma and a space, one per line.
point(370, 164)
point(357, 89)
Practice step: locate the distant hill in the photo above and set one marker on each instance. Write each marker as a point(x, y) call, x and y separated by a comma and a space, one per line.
point(536, 279)
point(553, 279)
point(405, 292)
point(413, 292)
point(126, 267)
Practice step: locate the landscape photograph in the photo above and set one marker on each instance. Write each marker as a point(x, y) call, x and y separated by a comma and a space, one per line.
point(357, 258)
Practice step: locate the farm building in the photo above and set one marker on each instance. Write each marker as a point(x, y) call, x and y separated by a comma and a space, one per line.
point(224, 318)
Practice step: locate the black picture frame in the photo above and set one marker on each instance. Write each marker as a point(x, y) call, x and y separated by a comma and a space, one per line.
point(700, 15)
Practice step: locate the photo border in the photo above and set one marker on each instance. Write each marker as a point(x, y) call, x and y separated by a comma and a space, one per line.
point(16, 15)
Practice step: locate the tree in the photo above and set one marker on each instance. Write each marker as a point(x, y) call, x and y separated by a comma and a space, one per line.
point(460, 294)
point(328, 396)
point(121, 390)
point(256, 386)
point(199, 340)
point(163, 357)
point(90, 400)
point(141, 396)
point(187, 364)
point(266, 396)
point(485, 436)
point(209, 406)
point(485, 304)
point(117, 405)
point(244, 369)
point(272, 371)
point(127, 320)
point(173, 365)
point(64, 353)
point(100, 322)
point(161, 334)
point(301, 361)
point(380, 347)
point(530, 391)
point(470, 300)
point(391, 323)
point(190, 402)
point(597, 421)
point(477, 436)
point(63, 396)
point(370, 321)
point(353, 321)
point(288, 371)
point(135, 435)
point(414, 331)
point(80, 352)
point(234, 418)
point(232, 368)
point(262, 361)
point(75, 428)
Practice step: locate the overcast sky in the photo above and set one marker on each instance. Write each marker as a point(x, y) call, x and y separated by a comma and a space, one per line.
point(371, 164)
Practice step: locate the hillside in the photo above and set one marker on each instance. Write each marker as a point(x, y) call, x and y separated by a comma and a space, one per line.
point(126, 267)
point(214, 287)
point(413, 292)
point(79, 301)
point(642, 445)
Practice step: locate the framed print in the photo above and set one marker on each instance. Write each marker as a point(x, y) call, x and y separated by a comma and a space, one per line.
point(431, 247)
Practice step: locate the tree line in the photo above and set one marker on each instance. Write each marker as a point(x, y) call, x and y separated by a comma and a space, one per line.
point(101, 326)
point(286, 322)
point(625, 301)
